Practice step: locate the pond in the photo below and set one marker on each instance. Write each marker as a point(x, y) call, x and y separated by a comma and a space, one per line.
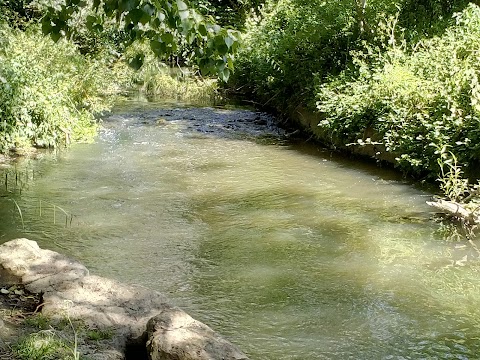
point(284, 248)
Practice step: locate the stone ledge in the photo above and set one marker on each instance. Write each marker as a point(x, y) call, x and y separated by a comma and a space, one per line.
point(108, 304)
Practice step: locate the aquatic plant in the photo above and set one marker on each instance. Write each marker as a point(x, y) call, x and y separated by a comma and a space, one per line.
point(20, 213)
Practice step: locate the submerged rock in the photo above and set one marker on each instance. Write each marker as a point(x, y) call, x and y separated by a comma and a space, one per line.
point(69, 290)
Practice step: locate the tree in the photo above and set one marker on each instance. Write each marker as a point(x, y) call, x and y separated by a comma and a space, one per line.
point(169, 26)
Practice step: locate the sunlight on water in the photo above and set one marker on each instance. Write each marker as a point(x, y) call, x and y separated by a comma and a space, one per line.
point(285, 249)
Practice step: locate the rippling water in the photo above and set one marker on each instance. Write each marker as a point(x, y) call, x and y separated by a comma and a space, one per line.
point(286, 250)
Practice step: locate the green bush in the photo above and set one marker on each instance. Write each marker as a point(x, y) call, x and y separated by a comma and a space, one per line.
point(286, 44)
point(423, 103)
point(177, 84)
point(427, 18)
point(157, 80)
point(49, 93)
point(293, 42)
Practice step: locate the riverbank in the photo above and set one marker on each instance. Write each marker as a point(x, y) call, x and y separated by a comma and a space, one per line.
point(122, 321)
point(392, 93)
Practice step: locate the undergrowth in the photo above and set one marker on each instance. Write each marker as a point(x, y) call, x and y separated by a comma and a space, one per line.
point(49, 92)
point(420, 102)
point(156, 79)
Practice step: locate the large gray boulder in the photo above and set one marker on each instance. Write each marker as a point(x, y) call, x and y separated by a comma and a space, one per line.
point(69, 289)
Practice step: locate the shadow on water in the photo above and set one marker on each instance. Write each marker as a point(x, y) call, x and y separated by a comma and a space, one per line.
point(289, 251)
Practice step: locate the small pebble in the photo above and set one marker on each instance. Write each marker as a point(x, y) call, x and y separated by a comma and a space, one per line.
point(4, 291)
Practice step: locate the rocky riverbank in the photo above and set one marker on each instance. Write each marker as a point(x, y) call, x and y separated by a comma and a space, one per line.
point(141, 323)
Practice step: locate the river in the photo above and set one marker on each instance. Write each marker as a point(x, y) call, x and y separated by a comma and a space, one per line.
point(286, 249)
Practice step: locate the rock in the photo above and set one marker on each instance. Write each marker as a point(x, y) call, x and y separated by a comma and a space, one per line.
point(174, 335)
point(69, 290)
point(22, 261)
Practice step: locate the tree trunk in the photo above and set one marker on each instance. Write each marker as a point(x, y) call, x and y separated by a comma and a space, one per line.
point(361, 5)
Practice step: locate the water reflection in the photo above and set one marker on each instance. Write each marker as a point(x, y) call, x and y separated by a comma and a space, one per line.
point(286, 250)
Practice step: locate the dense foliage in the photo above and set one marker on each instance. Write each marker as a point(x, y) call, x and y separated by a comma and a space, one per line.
point(423, 103)
point(158, 80)
point(398, 76)
point(292, 40)
point(228, 13)
point(171, 27)
point(293, 43)
point(49, 92)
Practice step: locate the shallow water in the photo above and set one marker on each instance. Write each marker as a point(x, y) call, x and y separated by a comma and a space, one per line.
point(288, 251)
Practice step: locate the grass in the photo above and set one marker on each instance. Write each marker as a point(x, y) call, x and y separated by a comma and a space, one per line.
point(51, 339)
point(39, 321)
point(190, 89)
point(20, 212)
point(43, 345)
point(99, 334)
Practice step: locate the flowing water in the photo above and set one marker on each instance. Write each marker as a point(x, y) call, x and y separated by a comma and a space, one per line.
point(286, 250)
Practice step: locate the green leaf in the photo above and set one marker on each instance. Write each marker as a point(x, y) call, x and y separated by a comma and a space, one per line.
point(46, 25)
point(202, 29)
point(224, 74)
point(98, 28)
point(229, 41)
point(156, 23)
point(55, 34)
point(172, 21)
point(191, 36)
point(159, 48)
point(220, 65)
point(149, 9)
point(150, 34)
point(91, 21)
point(206, 65)
point(219, 41)
point(184, 14)
point(110, 6)
point(137, 62)
point(230, 63)
point(167, 38)
point(138, 16)
point(181, 5)
point(187, 26)
point(127, 5)
point(94, 23)
point(219, 45)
